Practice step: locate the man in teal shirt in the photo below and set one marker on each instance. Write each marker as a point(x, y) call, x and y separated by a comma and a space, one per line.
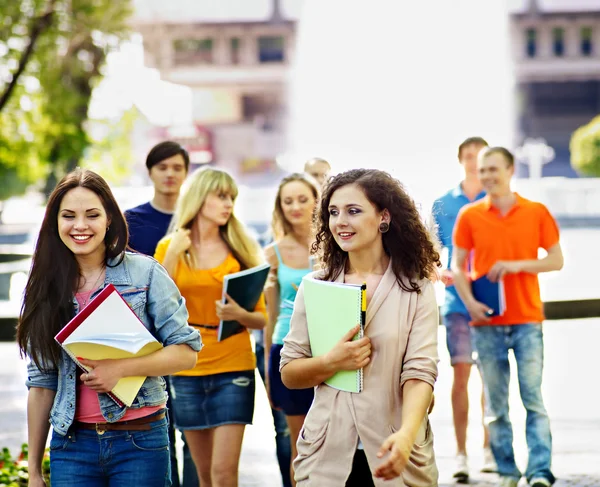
point(454, 313)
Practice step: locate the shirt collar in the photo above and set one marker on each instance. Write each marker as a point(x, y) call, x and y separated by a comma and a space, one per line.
point(458, 191)
point(487, 202)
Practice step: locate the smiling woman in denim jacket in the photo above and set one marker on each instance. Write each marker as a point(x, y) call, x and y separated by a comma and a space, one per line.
point(95, 441)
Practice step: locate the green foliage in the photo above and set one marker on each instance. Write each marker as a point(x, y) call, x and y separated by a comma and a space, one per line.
point(14, 471)
point(43, 125)
point(585, 148)
point(110, 152)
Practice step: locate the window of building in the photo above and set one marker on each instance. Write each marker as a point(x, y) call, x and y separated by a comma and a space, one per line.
point(586, 41)
point(558, 41)
point(193, 51)
point(531, 42)
point(234, 47)
point(271, 49)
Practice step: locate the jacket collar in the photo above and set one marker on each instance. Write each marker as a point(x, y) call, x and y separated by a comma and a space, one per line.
point(117, 273)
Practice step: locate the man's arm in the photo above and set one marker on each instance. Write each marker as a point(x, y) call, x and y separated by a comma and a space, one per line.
point(552, 262)
point(434, 228)
point(462, 283)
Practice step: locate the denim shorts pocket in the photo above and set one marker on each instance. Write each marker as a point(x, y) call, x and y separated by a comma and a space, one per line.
point(157, 439)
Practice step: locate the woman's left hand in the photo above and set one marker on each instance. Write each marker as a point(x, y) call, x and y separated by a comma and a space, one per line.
point(229, 311)
point(399, 447)
point(103, 376)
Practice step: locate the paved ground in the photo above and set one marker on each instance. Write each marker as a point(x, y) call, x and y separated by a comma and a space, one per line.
point(569, 389)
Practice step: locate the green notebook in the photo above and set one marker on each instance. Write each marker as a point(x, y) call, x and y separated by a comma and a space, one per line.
point(333, 308)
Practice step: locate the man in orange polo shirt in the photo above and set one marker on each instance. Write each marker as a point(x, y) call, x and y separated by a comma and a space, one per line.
point(504, 233)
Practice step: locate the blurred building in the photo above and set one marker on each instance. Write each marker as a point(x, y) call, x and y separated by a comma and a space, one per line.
point(235, 57)
point(556, 47)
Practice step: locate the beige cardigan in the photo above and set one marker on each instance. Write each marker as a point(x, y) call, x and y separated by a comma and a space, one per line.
point(403, 329)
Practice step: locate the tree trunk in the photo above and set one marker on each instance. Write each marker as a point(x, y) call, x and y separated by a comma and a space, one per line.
point(40, 24)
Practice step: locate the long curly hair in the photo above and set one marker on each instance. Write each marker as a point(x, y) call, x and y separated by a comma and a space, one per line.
point(408, 243)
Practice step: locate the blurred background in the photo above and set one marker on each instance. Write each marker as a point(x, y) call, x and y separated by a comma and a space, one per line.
point(259, 86)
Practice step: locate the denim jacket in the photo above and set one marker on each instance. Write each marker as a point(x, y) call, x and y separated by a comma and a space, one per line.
point(155, 299)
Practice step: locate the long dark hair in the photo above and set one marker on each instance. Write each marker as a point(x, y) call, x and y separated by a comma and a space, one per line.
point(407, 242)
point(54, 275)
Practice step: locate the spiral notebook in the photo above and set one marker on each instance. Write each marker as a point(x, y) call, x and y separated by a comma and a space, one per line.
point(333, 308)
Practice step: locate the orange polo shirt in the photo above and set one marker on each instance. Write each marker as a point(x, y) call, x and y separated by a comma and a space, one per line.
point(518, 235)
point(201, 288)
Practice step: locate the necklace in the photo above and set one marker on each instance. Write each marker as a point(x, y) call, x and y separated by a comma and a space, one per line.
point(89, 293)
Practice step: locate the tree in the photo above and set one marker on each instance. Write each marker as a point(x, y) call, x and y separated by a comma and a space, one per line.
point(585, 148)
point(39, 24)
point(42, 125)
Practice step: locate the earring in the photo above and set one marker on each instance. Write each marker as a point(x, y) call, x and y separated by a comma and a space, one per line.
point(384, 227)
point(108, 228)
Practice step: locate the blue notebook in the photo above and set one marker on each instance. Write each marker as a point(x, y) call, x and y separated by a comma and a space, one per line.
point(245, 288)
point(491, 294)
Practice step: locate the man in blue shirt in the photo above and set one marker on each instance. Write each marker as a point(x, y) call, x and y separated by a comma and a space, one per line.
point(454, 313)
point(168, 165)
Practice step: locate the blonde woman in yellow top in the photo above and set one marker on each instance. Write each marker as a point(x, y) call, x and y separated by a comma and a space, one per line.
point(214, 401)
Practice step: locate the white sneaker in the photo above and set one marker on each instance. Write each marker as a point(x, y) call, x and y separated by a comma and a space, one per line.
point(489, 463)
point(540, 482)
point(508, 482)
point(461, 474)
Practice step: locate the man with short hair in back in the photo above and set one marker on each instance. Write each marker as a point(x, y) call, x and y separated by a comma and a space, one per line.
point(455, 316)
point(168, 164)
point(318, 168)
point(501, 235)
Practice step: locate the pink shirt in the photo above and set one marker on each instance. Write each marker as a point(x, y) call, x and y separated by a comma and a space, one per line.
point(87, 407)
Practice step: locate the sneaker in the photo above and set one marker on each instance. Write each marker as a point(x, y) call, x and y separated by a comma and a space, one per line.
point(461, 474)
point(489, 463)
point(508, 482)
point(540, 482)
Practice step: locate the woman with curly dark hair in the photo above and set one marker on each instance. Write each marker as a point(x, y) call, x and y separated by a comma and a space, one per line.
point(369, 230)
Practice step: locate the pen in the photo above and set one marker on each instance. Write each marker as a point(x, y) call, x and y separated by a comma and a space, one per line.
point(363, 314)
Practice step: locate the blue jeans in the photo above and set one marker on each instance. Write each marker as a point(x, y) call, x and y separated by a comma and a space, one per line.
point(492, 344)
point(112, 459)
point(282, 433)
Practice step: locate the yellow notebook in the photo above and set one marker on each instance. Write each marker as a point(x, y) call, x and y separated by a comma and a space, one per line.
point(107, 328)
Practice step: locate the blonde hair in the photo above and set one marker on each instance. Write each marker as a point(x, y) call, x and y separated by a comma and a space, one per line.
point(279, 224)
point(198, 186)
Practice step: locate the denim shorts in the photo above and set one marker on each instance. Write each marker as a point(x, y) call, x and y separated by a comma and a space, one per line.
point(209, 401)
point(458, 338)
point(85, 458)
point(293, 402)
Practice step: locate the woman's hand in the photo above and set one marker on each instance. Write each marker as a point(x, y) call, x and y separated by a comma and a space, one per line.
point(180, 241)
point(230, 311)
point(348, 354)
point(399, 446)
point(104, 374)
point(36, 480)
